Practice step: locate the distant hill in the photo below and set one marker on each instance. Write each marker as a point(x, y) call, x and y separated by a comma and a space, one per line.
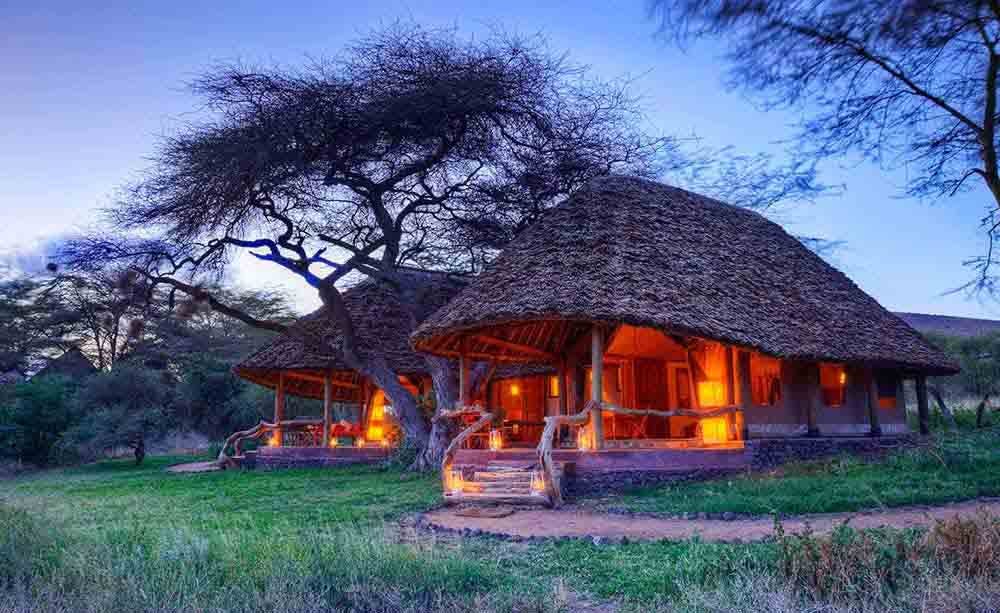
point(952, 326)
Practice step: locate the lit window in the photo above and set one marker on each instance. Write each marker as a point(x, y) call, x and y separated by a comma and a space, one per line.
point(833, 383)
point(515, 389)
point(553, 387)
point(711, 393)
point(765, 380)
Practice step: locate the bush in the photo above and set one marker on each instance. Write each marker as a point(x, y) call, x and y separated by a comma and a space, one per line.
point(41, 412)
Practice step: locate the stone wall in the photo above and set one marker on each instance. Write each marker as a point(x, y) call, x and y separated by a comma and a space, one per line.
point(310, 457)
point(591, 483)
point(771, 452)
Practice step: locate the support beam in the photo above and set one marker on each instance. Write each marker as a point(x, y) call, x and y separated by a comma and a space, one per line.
point(923, 408)
point(505, 344)
point(597, 384)
point(464, 374)
point(279, 406)
point(745, 385)
point(812, 406)
point(327, 404)
point(563, 388)
point(871, 386)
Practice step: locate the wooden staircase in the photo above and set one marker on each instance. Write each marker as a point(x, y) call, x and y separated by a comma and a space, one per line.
point(500, 481)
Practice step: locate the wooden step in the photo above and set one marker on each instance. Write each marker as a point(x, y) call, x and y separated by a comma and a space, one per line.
point(493, 498)
point(517, 476)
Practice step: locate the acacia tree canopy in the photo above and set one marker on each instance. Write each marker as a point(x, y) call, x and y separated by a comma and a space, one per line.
point(413, 147)
point(906, 83)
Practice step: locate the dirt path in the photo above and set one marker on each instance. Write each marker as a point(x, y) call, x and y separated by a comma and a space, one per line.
point(577, 523)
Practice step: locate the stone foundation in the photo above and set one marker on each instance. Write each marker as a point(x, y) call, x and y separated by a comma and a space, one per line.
point(771, 452)
point(596, 483)
point(272, 458)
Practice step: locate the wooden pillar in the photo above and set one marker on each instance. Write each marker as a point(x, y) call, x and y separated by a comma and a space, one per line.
point(463, 380)
point(597, 384)
point(692, 378)
point(813, 400)
point(563, 388)
point(871, 385)
point(923, 409)
point(279, 406)
point(327, 403)
point(746, 387)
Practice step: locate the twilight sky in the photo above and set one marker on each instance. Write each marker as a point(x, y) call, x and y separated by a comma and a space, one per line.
point(86, 92)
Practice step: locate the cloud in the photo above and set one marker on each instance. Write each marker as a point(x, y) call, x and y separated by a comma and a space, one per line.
point(29, 259)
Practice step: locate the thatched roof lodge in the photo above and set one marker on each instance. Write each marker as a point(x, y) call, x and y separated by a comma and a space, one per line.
point(692, 320)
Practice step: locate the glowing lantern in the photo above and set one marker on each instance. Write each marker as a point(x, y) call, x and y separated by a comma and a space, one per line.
point(537, 483)
point(496, 440)
point(554, 387)
point(714, 430)
point(584, 441)
point(384, 442)
point(359, 442)
point(274, 440)
point(515, 389)
point(334, 442)
point(711, 393)
point(455, 482)
point(843, 377)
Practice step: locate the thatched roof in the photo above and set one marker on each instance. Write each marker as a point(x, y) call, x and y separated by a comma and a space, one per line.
point(381, 324)
point(948, 325)
point(628, 250)
point(72, 364)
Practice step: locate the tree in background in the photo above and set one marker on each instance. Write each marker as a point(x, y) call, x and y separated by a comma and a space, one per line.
point(33, 325)
point(35, 417)
point(979, 359)
point(909, 83)
point(125, 407)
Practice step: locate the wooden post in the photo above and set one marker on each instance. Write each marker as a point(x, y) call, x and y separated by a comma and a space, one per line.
point(463, 380)
point(597, 384)
point(692, 379)
point(327, 402)
point(561, 377)
point(279, 406)
point(746, 387)
point(923, 409)
point(873, 416)
point(812, 406)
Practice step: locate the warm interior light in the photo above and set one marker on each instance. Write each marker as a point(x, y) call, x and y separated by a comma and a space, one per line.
point(584, 441)
point(843, 377)
point(375, 432)
point(515, 389)
point(714, 430)
point(496, 440)
point(711, 393)
point(553, 387)
point(455, 482)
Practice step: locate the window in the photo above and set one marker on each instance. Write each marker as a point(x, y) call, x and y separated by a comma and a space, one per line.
point(765, 380)
point(553, 387)
point(833, 383)
point(886, 392)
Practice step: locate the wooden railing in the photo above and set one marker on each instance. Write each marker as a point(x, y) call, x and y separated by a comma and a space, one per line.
point(263, 427)
point(484, 420)
point(551, 477)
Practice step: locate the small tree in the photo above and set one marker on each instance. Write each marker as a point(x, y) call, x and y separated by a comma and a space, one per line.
point(979, 359)
point(38, 416)
point(122, 408)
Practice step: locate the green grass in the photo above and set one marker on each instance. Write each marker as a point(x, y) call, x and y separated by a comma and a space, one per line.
point(113, 536)
point(957, 466)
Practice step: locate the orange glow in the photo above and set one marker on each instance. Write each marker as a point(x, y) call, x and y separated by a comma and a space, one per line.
point(454, 482)
point(496, 440)
point(843, 377)
point(515, 389)
point(375, 432)
point(714, 430)
point(553, 387)
point(384, 442)
point(273, 441)
point(584, 440)
point(359, 442)
point(334, 442)
point(537, 482)
point(378, 412)
point(711, 393)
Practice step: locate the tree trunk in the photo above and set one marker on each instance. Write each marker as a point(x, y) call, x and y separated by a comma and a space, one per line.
point(140, 451)
point(980, 410)
point(404, 404)
point(445, 395)
point(949, 417)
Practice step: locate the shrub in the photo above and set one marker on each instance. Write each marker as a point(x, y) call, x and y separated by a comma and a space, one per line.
point(41, 412)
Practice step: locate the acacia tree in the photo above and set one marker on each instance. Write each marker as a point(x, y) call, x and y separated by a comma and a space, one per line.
point(908, 83)
point(362, 165)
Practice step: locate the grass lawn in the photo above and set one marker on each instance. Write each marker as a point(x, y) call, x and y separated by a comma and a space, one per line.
point(112, 536)
point(956, 467)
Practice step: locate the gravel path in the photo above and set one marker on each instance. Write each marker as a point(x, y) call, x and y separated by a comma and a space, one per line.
point(577, 523)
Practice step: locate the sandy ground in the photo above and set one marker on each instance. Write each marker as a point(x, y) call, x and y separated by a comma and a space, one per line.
point(548, 523)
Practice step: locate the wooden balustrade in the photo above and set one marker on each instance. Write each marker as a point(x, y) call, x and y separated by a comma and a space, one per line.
point(263, 427)
point(448, 460)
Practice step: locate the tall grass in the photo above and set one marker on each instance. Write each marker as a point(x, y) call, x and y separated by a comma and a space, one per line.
point(366, 569)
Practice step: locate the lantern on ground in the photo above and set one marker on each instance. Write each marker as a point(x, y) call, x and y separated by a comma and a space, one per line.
point(496, 440)
point(537, 483)
point(584, 441)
